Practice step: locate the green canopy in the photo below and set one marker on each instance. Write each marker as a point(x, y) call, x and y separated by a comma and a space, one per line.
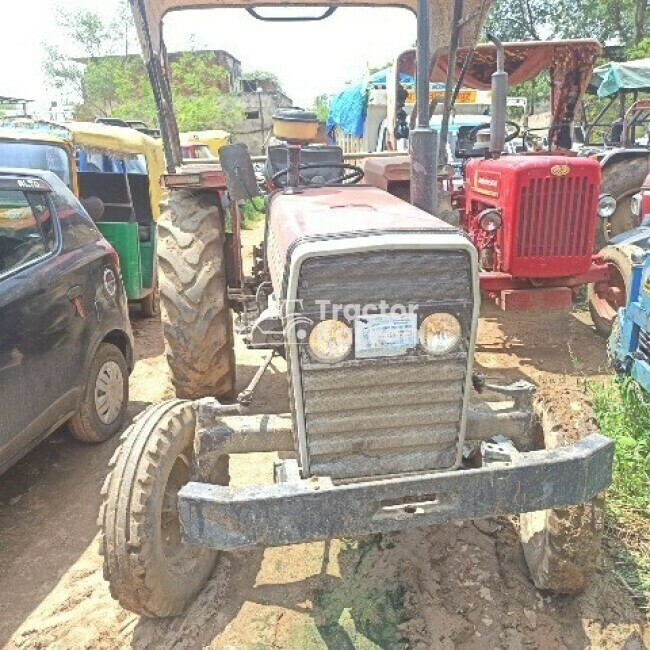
point(611, 78)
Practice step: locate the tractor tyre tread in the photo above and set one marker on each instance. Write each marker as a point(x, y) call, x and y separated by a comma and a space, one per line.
point(562, 545)
point(134, 563)
point(195, 314)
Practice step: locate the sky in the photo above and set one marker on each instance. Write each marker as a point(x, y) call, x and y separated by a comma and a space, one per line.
point(309, 58)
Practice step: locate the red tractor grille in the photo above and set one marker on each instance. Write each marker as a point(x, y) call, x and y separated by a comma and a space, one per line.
point(555, 231)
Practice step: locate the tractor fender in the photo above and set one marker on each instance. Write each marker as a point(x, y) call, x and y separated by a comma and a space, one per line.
point(616, 155)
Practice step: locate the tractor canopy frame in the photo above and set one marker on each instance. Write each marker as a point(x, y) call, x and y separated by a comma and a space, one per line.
point(432, 35)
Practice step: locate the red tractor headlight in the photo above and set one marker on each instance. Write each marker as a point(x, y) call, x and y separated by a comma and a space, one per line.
point(490, 220)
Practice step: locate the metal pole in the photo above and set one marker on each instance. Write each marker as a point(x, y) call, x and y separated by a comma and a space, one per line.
point(451, 71)
point(422, 69)
point(423, 139)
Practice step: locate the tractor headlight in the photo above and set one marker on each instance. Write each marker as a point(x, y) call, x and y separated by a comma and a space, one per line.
point(440, 333)
point(330, 341)
point(635, 205)
point(490, 220)
point(606, 206)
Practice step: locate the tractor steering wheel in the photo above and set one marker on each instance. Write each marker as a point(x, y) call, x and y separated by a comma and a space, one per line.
point(353, 176)
point(516, 130)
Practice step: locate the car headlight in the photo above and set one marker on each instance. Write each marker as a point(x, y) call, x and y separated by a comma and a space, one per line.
point(440, 333)
point(606, 206)
point(490, 220)
point(635, 205)
point(330, 341)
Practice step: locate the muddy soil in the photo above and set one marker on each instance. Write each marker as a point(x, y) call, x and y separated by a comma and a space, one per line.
point(458, 586)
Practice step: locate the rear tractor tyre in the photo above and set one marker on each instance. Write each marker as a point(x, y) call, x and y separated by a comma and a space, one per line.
point(607, 297)
point(622, 179)
point(195, 314)
point(149, 569)
point(561, 545)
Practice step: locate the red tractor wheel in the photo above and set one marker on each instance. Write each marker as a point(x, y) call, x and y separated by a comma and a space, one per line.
point(608, 296)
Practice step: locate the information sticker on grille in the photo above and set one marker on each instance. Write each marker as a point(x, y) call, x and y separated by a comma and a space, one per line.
point(384, 335)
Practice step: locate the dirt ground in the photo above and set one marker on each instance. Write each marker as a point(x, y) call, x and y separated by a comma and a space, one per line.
point(457, 586)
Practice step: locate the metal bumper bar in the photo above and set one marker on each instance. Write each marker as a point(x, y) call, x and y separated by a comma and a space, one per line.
point(315, 509)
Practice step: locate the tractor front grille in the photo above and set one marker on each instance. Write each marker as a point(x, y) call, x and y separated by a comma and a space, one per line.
point(555, 224)
point(391, 415)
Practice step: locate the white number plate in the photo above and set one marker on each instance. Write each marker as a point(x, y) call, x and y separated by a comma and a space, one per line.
point(384, 335)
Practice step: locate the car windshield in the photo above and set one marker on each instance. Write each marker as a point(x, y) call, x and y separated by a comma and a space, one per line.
point(36, 155)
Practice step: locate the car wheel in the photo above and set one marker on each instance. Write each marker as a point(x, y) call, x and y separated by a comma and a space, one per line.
point(106, 397)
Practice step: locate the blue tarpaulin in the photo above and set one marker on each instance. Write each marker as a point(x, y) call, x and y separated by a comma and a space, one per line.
point(347, 110)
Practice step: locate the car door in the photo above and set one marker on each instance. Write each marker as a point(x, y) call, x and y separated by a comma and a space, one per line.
point(41, 286)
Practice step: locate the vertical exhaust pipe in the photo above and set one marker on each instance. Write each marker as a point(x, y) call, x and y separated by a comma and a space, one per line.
point(499, 101)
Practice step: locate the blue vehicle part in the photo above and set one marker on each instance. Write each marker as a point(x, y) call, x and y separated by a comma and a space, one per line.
point(629, 343)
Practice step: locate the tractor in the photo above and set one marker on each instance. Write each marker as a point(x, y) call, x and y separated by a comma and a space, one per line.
point(622, 146)
point(373, 302)
point(532, 214)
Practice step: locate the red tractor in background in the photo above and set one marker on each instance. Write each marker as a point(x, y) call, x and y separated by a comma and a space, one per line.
point(532, 215)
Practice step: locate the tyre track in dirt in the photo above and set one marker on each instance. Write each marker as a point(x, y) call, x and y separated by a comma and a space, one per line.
point(456, 586)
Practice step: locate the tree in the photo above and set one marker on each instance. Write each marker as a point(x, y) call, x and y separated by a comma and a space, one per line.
point(104, 83)
point(539, 19)
point(322, 107)
point(263, 75)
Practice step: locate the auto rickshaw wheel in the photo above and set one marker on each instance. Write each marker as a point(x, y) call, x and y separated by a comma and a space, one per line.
point(197, 324)
point(562, 545)
point(150, 304)
point(606, 297)
point(149, 569)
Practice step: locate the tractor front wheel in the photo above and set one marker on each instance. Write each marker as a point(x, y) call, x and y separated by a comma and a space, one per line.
point(561, 545)
point(607, 296)
point(149, 569)
point(195, 313)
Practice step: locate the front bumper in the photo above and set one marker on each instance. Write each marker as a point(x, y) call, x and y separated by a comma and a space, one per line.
point(296, 511)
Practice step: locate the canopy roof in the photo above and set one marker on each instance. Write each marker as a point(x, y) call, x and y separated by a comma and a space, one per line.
point(113, 140)
point(523, 61)
point(612, 78)
point(19, 132)
point(149, 14)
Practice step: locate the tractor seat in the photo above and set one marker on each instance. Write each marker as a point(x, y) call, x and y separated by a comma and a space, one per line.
point(277, 160)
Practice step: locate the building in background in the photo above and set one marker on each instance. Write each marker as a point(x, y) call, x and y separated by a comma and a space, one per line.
point(260, 99)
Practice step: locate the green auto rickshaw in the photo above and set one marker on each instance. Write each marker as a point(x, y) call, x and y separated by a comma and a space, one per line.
point(115, 173)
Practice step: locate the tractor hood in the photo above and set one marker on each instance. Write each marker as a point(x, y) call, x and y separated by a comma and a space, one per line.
point(325, 214)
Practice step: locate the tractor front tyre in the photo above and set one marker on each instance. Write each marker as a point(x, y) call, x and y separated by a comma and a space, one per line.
point(561, 545)
point(149, 569)
point(607, 296)
point(195, 314)
point(622, 179)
